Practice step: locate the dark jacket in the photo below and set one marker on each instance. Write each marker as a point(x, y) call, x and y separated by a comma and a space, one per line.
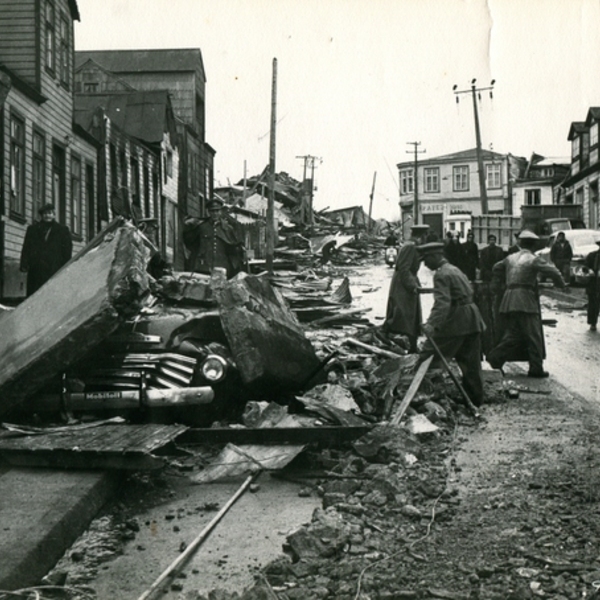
point(213, 245)
point(561, 252)
point(470, 259)
point(46, 248)
point(488, 257)
point(453, 313)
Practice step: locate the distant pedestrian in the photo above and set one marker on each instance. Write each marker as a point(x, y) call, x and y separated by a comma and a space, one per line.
point(470, 257)
point(453, 251)
point(46, 248)
point(403, 315)
point(523, 337)
point(488, 298)
point(561, 254)
point(454, 323)
point(592, 262)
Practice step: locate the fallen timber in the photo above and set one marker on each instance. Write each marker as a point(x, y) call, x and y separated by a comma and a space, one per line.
point(71, 313)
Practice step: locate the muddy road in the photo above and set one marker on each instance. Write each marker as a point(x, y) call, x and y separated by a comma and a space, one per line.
point(496, 467)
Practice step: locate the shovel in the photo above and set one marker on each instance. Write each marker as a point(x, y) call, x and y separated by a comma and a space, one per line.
point(462, 390)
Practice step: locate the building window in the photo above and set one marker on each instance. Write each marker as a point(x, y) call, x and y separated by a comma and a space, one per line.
point(90, 88)
point(493, 176)
point(76, 196)
point(594, 134)
point(135, 184)
point(50, 37)
point(575, 147)
point(17, 166)
point(39, 171)
point(533, 197)
point(407, 181)
point(169, 163)
point(64, 52)
point(460, 178)
point(432, 179)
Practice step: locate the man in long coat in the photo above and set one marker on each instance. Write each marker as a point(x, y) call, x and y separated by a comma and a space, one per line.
point(454, 323)
point(46, 248)
point(488, 300)
point(403, 315)
point(523, 337)
point(213, 242)
point(592, 289)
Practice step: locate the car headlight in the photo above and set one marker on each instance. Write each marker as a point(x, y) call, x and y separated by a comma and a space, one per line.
point(214, 368)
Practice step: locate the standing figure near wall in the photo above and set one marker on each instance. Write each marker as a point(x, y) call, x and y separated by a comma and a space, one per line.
point(46, 248)
point(213, 242)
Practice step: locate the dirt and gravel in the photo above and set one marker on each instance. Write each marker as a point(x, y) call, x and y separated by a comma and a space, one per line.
point(502, 507)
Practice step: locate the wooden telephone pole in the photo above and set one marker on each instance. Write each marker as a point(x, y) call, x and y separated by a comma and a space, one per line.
point(271, 200)
point(416, 211)
point(371, 201)
point(476, 93)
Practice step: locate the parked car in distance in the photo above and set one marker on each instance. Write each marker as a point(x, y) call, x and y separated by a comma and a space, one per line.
point(583, 241)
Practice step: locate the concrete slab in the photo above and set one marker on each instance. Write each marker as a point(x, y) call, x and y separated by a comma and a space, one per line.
point(42, 512)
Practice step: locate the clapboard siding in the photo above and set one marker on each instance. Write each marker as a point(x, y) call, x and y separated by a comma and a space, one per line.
point(22, 50)
point(18, 38)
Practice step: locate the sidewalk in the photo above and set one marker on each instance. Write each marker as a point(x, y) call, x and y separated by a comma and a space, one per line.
point(42, 511)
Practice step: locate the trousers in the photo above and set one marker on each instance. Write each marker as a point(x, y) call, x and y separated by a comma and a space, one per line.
point(466, 350)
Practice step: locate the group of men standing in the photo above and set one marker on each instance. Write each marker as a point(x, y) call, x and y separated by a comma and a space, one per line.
point(455, 324)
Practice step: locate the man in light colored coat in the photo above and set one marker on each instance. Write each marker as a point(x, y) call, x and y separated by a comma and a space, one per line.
point(523, 337)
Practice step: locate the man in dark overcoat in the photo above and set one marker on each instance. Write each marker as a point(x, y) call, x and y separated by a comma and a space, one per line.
point(46, 248)
point(403, 315)
point(592, 289)
point(523, 337)
point(213, 242)
point(488, 299)
point(454, 323)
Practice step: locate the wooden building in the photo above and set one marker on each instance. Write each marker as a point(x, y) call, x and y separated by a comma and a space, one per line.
point(44, 156)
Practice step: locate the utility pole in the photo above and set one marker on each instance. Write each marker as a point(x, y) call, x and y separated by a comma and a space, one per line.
point(309, 163)
point(476, 94)
point(416, 212)
point(271, 200)
point(371, 201)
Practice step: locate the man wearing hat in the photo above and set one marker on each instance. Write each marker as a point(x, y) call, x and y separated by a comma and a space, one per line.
point(213, 242)
point(454, 323)
point(403, 315)
point(46, 248)
point(523, 337)
point(592, 289)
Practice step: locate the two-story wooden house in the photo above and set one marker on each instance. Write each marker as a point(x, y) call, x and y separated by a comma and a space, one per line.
point(541, 183)
point(181, 72)
point(449, 185)
point(44, 157)
point(581, 185)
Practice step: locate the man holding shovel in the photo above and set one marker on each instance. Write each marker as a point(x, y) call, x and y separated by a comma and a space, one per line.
point(454, 326)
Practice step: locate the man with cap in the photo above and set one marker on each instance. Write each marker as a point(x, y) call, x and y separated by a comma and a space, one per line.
point(213, 242)
point(46, 248)
point(403, 315)
point(454, 324)
point(592, 289)
point(523, 337)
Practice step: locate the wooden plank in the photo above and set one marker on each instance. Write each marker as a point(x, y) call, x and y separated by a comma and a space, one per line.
point(325, 435)
point(373, 349)
point(104, 447)
point(73, 312)
point(412, 390)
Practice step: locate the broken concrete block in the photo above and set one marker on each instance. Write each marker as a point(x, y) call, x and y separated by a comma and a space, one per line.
point(74, 311)
point(268, 344)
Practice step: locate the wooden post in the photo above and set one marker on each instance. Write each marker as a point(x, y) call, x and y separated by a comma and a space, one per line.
point(371, 201)
point(271, 200)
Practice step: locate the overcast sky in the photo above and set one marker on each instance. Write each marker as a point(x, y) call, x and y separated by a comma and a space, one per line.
point(358, 79)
